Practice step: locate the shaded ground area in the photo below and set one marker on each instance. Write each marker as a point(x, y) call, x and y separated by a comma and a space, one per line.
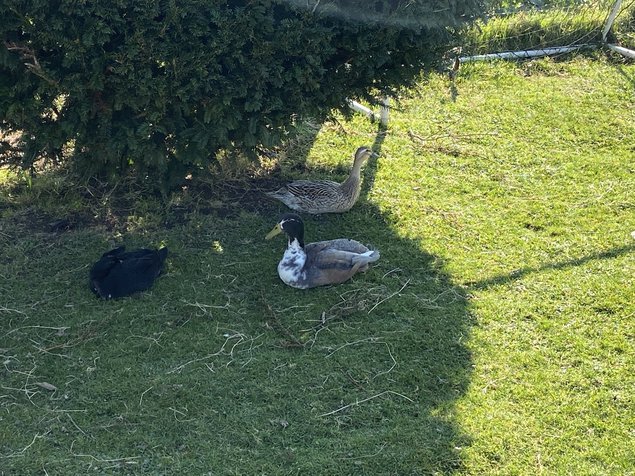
point(220, 367)
point(101, 207)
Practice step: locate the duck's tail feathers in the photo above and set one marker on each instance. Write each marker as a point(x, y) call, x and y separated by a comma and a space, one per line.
point(370, 256)
point(277, 194)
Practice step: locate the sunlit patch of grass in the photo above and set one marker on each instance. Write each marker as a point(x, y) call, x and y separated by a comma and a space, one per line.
point(6, 175)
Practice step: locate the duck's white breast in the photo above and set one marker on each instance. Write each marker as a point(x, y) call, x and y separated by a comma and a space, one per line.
point(291, 266)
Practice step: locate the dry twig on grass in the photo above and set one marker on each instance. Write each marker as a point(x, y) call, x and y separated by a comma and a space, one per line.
point(359, 402)
point(125, 459)
point(275, 324)
point(17, 454)
point(370, 340)
point(241, 339)
point(389, 297)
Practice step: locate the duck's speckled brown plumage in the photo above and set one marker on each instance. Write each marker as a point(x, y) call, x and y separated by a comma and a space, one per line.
point(325, 196)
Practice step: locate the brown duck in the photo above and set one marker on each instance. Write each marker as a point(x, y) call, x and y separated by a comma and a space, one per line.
point(325, 196)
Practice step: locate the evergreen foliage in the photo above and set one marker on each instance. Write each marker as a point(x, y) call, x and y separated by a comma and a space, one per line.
point(160, 86)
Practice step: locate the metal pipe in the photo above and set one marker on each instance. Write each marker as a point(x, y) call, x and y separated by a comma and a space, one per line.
point(611, 18)
point(355, 106)
point(621, 50)
point(524, 53)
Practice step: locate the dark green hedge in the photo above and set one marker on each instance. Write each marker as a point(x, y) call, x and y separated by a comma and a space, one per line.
point(160, 86)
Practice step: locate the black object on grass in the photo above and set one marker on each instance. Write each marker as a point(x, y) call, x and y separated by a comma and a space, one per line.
point(119, 273)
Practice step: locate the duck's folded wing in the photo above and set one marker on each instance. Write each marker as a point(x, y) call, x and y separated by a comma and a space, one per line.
point(333, 266)
point(315, 188)
point(147, 263)
point(341, 244)
point(339, 254)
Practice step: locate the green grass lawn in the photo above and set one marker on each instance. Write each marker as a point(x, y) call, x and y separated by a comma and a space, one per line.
point(495, 335)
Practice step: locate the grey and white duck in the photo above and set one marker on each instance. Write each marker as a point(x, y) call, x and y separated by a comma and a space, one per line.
point(321, 263)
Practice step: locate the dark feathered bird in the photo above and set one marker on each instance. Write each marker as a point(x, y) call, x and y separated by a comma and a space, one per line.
point(119, 273)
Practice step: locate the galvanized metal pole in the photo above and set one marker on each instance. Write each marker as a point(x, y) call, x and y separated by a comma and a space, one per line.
point(611, 19)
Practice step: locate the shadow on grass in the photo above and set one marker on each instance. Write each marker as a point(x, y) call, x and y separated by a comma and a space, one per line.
point(520, 273)
point(221, 366)
point(390, 349)
point(371, 167)
point(627, 76)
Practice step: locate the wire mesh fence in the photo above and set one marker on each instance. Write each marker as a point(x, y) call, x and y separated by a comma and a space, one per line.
point(550, 27)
